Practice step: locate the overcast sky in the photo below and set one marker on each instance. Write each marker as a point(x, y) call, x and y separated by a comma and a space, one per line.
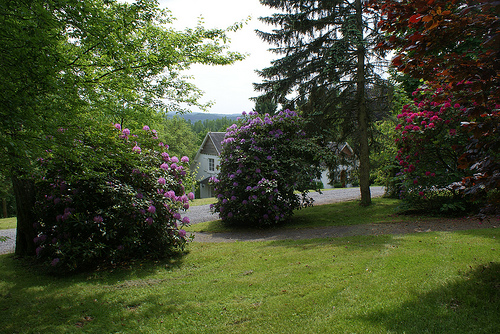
point(229, 86)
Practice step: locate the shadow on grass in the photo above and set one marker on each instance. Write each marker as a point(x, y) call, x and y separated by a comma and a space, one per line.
point(106, 299)
point(468, 305)
point(349, 243)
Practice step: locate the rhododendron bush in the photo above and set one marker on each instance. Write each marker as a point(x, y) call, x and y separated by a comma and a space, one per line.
point(110, 196)
point(268, 164)
point(431, 139)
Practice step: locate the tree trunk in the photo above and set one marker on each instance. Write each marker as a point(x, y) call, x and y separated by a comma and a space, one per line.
point(4, 207)
point(364, 150)
point(24, 190)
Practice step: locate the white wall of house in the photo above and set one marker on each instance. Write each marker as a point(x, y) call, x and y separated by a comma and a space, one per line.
point(324, 175)
point(324, 179)
point(207, 169)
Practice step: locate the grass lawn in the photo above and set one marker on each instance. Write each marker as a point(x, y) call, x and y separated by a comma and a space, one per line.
point(383, 210)
point(202, 201)
point(7, 223)
point(437, 282)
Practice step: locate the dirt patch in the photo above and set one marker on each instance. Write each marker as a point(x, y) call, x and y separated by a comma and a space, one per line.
point(446, 224)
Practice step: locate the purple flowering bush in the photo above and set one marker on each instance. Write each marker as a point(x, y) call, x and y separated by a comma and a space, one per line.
point(110, 196)
point(268, 164)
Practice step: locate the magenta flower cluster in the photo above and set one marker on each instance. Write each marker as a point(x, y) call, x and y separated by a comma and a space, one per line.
point(429, 138)
point(126, 206)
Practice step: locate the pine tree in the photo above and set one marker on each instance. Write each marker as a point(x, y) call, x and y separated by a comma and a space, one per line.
point(328, 70)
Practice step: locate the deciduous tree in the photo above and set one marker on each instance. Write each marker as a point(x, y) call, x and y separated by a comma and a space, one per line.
point(64, 64)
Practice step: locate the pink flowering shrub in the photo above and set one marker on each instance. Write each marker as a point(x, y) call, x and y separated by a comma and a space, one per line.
point(110, 196)
point(430, 140)
point(264, 162)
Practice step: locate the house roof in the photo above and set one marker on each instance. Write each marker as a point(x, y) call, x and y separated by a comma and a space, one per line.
point(341, 148)
point(215, 138)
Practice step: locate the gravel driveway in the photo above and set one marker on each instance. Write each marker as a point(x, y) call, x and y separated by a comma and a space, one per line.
point(199, 214)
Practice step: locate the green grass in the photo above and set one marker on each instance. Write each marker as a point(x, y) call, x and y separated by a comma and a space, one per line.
point(202, 201)
point(7, 223)
point(438, 282)
point(383, 210)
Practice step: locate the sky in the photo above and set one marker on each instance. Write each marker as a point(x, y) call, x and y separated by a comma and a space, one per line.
point(230, 86)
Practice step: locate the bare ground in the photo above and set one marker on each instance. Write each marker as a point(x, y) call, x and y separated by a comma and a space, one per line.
point(446, 224)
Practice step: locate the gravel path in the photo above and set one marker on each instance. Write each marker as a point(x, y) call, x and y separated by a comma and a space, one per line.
point(9, 245)
point(198, 214)
point(458, 224)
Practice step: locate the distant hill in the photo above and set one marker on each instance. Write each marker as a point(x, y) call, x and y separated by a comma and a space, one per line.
point(199, 116)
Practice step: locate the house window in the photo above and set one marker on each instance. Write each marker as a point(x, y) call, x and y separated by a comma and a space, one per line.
point(211, 165)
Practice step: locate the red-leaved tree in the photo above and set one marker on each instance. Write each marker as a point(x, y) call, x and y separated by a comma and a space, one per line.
point(455, 46)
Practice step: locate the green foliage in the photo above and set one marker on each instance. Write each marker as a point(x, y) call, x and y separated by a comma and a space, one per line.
point(178, 133)
point(265, 106)
point(102, 60)
point(384, 165)
point(69, 64)
point(109, 197)
point(7, 195)
point(263, 163)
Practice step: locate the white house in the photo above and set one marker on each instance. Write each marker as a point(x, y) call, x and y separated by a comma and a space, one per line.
point(347, 163)
point(207, 161)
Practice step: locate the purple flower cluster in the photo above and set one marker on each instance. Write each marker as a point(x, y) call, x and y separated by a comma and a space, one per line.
point(256, 182)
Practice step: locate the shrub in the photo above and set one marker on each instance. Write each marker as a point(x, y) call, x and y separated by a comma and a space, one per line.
point(430, 143)
point(267, 167)
point(110, 196)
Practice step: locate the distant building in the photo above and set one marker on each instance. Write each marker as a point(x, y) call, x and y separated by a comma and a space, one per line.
point(342, 173)
point(207, 161)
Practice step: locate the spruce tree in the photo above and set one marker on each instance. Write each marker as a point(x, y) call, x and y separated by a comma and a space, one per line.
point(327, 70)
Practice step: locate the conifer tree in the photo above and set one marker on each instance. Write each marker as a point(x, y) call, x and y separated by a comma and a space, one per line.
point(327, 70)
